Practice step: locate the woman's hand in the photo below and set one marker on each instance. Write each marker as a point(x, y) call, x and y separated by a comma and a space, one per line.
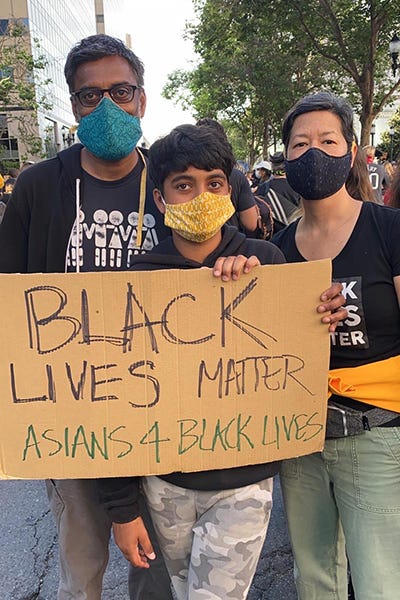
point(333, 302)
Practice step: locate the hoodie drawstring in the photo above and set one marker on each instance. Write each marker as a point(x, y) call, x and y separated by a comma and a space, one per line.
point(78, 221)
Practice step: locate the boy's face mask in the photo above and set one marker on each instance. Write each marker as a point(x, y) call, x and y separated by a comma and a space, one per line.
point(201, 218)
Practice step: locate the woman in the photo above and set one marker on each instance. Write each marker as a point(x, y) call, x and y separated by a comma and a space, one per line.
point(347, 497)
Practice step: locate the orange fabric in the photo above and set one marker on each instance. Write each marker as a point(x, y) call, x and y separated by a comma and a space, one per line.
point(377, 383)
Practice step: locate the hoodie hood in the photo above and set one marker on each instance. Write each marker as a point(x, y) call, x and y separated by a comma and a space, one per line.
point(166, 256)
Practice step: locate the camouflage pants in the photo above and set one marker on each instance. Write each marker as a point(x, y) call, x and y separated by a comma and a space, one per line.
point(211, 541)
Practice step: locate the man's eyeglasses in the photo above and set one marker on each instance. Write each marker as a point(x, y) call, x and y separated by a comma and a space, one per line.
point(121, 94)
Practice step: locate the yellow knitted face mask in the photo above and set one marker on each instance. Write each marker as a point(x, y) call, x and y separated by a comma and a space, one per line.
point(200, 218)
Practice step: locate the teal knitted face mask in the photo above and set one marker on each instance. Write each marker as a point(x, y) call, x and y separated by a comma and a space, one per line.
point(109, 132)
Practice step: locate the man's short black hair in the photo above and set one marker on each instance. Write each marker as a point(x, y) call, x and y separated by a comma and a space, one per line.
point(189, 146)
point(96, 47)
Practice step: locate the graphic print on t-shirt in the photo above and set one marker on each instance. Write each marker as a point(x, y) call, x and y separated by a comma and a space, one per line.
point(107, 240)
point(352, 331)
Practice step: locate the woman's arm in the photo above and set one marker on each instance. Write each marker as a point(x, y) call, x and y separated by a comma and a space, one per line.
point(396, 281)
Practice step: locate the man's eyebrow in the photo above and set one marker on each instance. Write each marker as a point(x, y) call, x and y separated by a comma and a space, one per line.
point(97, 87)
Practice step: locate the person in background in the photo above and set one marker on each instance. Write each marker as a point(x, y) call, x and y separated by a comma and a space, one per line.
point(26, 165)
point(377, 174)
point(246, 214)
point(345, 499)
point(2, 203)
point(7, 189)
point(99, 185)
point(278, 181)
point(263, 172)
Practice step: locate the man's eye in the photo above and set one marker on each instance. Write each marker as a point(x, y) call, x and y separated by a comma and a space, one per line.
point(90, 95)
point(121, 92)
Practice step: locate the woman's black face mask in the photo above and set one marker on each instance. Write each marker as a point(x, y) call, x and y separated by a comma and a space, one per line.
point(316, 175)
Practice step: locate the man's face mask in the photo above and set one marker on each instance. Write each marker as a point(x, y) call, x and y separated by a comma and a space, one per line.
point(109, 132)
point(201, 218)
point(316, 175)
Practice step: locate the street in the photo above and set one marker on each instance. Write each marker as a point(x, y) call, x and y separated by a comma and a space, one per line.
point(28, 555)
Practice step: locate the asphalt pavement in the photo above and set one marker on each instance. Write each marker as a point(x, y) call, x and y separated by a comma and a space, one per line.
point(28, 551)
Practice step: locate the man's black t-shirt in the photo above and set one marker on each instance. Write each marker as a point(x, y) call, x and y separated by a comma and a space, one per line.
point(108, 224)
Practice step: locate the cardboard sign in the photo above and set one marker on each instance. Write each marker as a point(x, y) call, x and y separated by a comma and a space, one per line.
point(113, 374)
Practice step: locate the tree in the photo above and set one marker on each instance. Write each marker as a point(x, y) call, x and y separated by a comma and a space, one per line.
point(22, 87)
point(257, 58)
point(240, 79)
point(353, 35)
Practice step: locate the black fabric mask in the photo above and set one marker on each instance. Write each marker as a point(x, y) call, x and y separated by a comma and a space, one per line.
point(316, 175)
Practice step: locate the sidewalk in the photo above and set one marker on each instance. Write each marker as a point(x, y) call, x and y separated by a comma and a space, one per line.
point(28, 551)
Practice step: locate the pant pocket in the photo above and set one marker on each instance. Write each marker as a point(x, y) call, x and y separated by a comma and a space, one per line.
point(290, 468)
point(376, 470)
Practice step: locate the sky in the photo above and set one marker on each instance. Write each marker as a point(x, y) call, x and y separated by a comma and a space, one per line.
point(157, 39)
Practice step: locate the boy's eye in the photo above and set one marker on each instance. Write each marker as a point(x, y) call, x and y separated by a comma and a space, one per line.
point(215, 185)
point(183, 186)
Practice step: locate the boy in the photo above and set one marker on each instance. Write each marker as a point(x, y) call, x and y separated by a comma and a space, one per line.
point(210, 525)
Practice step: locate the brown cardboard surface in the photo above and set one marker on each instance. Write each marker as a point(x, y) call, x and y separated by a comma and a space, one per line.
point(112, 374)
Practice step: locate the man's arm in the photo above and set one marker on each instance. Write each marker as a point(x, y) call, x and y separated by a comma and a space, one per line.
point(249, 218)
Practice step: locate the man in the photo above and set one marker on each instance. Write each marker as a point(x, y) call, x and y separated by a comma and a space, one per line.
point(377, 174)
point(280, 196)
point(263, 172)
point(88, 209)
point(278, 181)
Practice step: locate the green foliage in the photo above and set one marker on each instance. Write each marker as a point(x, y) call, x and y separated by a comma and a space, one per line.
point(256, 58)
point(21, 86)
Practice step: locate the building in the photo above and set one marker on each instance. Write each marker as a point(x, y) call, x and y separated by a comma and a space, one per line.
point(51, 29)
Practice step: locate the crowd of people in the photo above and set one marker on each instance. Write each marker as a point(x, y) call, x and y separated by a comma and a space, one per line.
point(199, 535)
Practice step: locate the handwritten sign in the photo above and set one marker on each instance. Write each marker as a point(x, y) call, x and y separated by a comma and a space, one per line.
point(113, 374)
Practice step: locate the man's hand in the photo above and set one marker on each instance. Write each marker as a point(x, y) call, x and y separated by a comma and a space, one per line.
point(231, 267)
point(134, 542)
point(333, 302)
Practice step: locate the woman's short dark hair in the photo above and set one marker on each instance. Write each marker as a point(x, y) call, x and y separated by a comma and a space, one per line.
point(321, 101)
point(189, 146)
point(96, 47)
point(357, 183)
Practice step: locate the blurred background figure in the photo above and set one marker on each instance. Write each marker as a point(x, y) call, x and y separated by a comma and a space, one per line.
point(263, 172)
point(278, 181)
point(8, 188)
point(377, 174)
